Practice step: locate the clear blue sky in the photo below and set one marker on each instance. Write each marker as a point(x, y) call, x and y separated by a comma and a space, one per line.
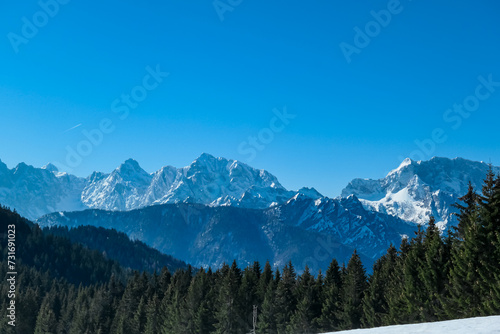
point(356, 119)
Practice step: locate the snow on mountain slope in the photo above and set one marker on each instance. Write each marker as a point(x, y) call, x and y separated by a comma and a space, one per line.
point(418, 189)
point(218, 181)
point(36, 191)
point(371, 233)
point(480, 325)
point(212, 181)
point(123, 189)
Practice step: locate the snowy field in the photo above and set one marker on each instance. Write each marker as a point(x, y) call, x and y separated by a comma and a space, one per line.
point(483, 325)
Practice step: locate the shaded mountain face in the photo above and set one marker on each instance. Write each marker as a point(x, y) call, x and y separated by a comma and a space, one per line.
point(305, 230)
point(212, 181)
point(418, 189)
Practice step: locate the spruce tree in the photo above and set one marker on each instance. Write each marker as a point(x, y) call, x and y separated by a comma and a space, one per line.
point(152, 316)
point(229, 316)
point(489, 212)
point(494, 304)
point(46, 322)
point(265, 278)
point(308, 310)
point(353, 290)
point(375, 305)
point(248, 292)
point(433, 273)
point(464, 281)
point(286, 302)
point(331, 302)
point(266, 320)
point(198, 309)
point(173, 303)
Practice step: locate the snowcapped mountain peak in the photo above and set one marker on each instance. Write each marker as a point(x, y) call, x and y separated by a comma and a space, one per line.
point(403, 164)
point(418, 189)
point(130, 166)
point(310, 192)
point(51, 168)
point(207, 180)
point(206, 157)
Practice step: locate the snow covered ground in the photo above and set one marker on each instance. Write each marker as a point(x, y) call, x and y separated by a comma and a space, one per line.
point(483, 325)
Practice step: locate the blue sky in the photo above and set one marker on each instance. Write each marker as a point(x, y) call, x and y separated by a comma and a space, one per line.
point(228, 79)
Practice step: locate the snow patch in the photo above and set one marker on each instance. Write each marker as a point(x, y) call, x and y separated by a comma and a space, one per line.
point(483, 325)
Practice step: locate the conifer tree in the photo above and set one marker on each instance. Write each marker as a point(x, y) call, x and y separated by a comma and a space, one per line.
point(494, 304)
point(46, 322)
point(331, 303)
point(152, 316)
point(489, 212)
point(138, 323)
point(308, 309)
point(27, 310)
point(248, 291)
point(353, 290)
point(433, 273)
point(173, 303)
point(198, 309)
point(229, 318)
point(266, 320)
point(464, 298)
point(285, 298)
point(375, 305)
point(265, 278)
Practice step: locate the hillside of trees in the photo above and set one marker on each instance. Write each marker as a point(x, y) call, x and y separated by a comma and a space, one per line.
point(117, 246)
point(66, 288)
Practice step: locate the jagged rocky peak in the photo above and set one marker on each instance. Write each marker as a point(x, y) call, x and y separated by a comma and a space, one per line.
point(131, 171)
point(51, 168)
point(310, 192)
point(130, 166)
point(417, 189)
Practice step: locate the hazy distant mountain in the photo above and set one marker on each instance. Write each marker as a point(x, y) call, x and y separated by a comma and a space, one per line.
point(305, 230)
point(37, 191)
point(418, 189)
point(34, 192)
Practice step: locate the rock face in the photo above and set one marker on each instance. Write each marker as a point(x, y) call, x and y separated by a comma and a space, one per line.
point(418, 189)
point(212, 181)
point(305, 230)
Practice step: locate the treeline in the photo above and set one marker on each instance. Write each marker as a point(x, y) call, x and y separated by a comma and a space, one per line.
point(117, 246)
point(431, 277)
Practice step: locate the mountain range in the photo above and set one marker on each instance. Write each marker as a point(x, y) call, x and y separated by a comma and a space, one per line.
point(216, 210)
point(211, 181)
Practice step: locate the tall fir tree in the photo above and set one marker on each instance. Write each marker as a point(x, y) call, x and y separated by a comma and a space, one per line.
point(331, 302)
point(266, 320)
point(46, 322)
point(265, 279)
point(375, 305)
point(353, 290)
point(463, 298)
point(489, 212)
point(307, 294)
point(229, 316)
point(152, 317)
point(433, 273)
point(286, 302)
